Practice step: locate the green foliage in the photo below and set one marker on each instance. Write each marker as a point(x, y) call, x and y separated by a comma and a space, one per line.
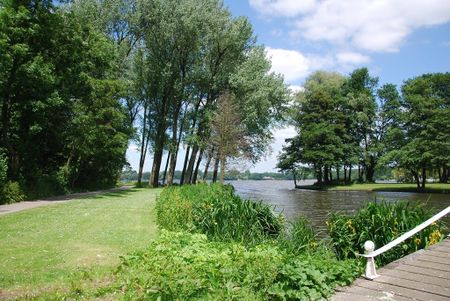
point(60, 100)
point(300, 237)
point(3, 168)
point(216, 211)
point(185, 266)
point(381, 223)
point(11, 193)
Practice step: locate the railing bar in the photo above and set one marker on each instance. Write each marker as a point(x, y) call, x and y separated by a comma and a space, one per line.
point(408, 234)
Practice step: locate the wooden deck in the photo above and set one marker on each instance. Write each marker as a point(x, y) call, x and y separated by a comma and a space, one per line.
point(423, 275)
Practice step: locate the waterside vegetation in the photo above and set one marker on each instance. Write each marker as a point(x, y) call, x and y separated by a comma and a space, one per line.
point(212, 245)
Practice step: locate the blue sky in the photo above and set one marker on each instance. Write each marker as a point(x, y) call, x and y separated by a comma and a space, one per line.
point(395, 39)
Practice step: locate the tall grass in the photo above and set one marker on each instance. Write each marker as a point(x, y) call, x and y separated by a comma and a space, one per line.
point(216, 211)
point(382, 223)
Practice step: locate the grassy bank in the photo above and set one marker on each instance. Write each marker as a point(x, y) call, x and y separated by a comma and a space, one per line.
point(50, 247)
point(398, 187)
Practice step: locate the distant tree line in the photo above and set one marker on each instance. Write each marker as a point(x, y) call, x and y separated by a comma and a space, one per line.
point(344, 122)
point(79, 79)
point(130, 175)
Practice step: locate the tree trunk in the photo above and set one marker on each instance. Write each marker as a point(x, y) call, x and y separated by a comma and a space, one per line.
point(216, 168)
point(144, 146)
point(345, 174)
point(319, 174)
point(186, 158)
point(222, 169)
point(416, 178)
point(199, 160)
point(190, 168)
point(295, 178)
point(166, 167)
point(176, 141)
point(205, 174)
point(326, 174)
point(424, 177)
point(370, 170)
point(337, 173)
point(350, 173)
point(157, 159)
point(444, 175)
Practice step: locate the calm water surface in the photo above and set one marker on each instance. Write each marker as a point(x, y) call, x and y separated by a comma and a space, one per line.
point(316, 205)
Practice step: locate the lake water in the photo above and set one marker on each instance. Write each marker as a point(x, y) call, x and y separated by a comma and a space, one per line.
point(316, 205)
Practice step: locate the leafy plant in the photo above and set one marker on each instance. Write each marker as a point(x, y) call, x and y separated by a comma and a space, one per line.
point(382, 223)
point(300, 237)
point(12, 193)
point(183, 266)
point(216, 211)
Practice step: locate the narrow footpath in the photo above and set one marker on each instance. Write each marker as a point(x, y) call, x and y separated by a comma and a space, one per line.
point(10, 208)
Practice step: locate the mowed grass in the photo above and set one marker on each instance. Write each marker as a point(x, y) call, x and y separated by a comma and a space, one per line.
point(400, 187)
point(49, 247)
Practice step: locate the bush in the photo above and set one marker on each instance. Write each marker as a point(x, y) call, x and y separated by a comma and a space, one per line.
point(216, 211)
point(382, 223)
point(182, 266)
point(300, 237)
point(12, 193)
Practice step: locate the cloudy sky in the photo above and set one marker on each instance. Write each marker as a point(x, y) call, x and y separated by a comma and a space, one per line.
point(395, 39)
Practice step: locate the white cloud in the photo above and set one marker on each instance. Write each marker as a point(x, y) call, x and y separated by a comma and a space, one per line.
point(352, 58)
point(286, 8)
point(291, 63)
point(372, 25)
point(284, 133)
point(296, 88)
point(296, 66)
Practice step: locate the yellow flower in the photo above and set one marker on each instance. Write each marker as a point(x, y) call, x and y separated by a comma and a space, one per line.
point(434, 237)
point(417, 241)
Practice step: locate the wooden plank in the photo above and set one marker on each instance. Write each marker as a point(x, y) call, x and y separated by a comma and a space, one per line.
point(359, 293)
point(424, 271)
point(415, 285)
point(445, 243)
point(439, 260)
point(428, 264)
point(400, 291)
point(438, 253)
point(416, 277)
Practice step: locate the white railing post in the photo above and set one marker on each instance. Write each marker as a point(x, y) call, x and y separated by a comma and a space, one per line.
point(369, 246)
point(371, 272)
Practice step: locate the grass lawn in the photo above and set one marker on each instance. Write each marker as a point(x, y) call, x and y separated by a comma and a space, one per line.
point(429, 188)
point(50, 247)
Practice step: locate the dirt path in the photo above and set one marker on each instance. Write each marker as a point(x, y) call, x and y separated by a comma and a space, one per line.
point(10, 208)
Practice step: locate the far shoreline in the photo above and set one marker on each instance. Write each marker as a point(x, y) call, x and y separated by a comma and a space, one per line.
point(441, 188)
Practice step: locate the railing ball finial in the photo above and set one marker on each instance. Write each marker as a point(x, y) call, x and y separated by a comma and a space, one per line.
point(369, 246)
point(371, 272)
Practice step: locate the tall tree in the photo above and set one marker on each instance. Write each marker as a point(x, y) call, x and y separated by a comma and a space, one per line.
point(320, 123)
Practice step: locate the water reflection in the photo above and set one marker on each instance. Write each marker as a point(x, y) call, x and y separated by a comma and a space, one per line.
point(316, 205)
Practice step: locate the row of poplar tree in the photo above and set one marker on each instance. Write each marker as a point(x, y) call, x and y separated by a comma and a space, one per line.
point(79, 79)
point(350, 122)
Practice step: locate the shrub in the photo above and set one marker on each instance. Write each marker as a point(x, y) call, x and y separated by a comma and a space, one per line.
point(12, 193)
point(3, 168)
point(216, 211)
point(300, 237)
point(382, 223)
point(182, 266)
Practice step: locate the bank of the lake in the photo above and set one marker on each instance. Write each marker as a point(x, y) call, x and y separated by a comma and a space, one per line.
point(394, 187)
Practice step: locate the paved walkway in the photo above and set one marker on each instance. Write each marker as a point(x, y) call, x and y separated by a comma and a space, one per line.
point(10, 208)
point(423, 275)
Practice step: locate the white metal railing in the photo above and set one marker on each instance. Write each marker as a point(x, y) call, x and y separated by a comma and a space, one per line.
point(371, 253)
